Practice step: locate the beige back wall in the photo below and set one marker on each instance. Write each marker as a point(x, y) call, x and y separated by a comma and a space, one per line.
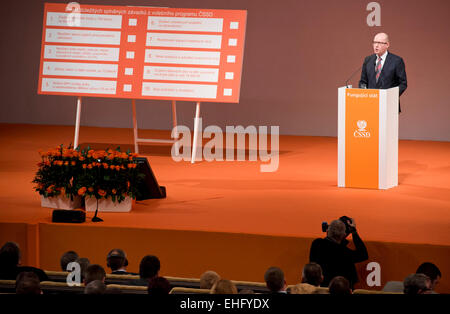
point(297, 53)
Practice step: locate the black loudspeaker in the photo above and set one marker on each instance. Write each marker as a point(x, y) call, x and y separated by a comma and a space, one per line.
point(71, 216)
point(150, 187)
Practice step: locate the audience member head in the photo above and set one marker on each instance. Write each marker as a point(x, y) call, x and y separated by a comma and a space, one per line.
point(95, 287)
point(9, 255)
point(84, 263)
point(208, 279)
point(116, 259)
point(417, 284)
point(149, 267)
point(224, 286)
point(312, 274)
point(339, 286)
point(432, 271)
point(274, 278)
point(66, 258)
point(158, 286)
point(303, 288)
point(94, 272)
point(336, 231)
point(28, 283)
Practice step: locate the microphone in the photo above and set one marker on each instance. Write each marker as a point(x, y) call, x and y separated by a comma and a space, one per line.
point(351, 76)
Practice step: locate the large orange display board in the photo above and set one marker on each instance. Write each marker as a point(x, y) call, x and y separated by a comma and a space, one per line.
point(142, 53)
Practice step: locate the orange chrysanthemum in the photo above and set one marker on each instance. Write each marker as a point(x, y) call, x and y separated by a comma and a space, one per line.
point(82, 191)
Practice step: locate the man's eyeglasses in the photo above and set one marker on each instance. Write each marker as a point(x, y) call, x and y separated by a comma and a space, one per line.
point(378, 42)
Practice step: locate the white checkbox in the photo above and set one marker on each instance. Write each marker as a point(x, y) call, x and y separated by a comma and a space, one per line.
point(234, 25)
point(132, 22)
point(232, 42)
point(227, 91)
point(128, 71)
point(130, 54)
point(131, 38)
point(231, 59)
point(229, 75)
point(127, 87)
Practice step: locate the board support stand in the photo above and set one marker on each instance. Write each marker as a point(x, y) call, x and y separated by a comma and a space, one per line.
point(150, 140)
point(195, 141)
point(77, 124)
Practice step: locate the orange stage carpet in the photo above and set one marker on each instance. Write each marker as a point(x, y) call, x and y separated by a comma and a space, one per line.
point(230, 217)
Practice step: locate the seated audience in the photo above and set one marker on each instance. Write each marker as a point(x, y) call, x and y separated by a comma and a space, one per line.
point(94, 272)
point(339, 286)
point(66, 258)
point(432, 271)
point(148, 268)
point(10, 260)
point(312, 274)
point(303, 288)
point(224, 286)
point(84, 263)
point(274, 278)
point(28, 283)
point(417, 284)
point(158, 286)
point(95, 287)
point(427, 268)
point(118, 262)
point(208, 279)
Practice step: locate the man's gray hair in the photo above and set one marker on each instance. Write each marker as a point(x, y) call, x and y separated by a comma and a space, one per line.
point(336, 230)
point(415, 284)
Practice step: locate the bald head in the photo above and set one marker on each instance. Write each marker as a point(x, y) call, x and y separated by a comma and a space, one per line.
point(380, 43)
point(382, 37)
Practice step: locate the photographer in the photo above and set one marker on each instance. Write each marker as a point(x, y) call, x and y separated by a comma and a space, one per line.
point(333, 255)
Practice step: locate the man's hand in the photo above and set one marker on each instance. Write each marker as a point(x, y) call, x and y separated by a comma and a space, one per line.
point(352, 225)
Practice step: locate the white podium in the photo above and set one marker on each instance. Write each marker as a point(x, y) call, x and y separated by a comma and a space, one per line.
point(368, 138)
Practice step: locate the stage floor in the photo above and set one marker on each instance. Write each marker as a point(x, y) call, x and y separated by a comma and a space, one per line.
point(234, 197)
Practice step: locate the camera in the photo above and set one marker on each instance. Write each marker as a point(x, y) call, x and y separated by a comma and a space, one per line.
point(346, 220)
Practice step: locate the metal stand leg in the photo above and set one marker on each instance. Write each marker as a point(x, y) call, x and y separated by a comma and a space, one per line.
point(196, 122)
point(135, 131)
point(77, 123)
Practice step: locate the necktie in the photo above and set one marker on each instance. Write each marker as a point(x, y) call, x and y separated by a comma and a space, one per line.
point(378, 69)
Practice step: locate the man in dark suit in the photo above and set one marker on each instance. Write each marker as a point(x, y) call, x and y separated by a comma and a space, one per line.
point(383, 69)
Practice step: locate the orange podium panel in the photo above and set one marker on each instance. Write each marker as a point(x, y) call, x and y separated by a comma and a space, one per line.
point(368, 138)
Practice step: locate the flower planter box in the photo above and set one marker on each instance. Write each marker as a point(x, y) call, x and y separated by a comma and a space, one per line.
point(61, 202)
point(107, 205)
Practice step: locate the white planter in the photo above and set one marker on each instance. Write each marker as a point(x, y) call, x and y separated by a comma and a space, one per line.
point(61, 202)
point(107, 205)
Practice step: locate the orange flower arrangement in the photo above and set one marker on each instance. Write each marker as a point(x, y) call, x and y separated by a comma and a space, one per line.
point(88, 173)
point(108, 173)
point(56, 172)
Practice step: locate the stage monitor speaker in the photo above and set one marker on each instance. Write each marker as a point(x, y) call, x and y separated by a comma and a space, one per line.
point(150, 187)
point(70, 216)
